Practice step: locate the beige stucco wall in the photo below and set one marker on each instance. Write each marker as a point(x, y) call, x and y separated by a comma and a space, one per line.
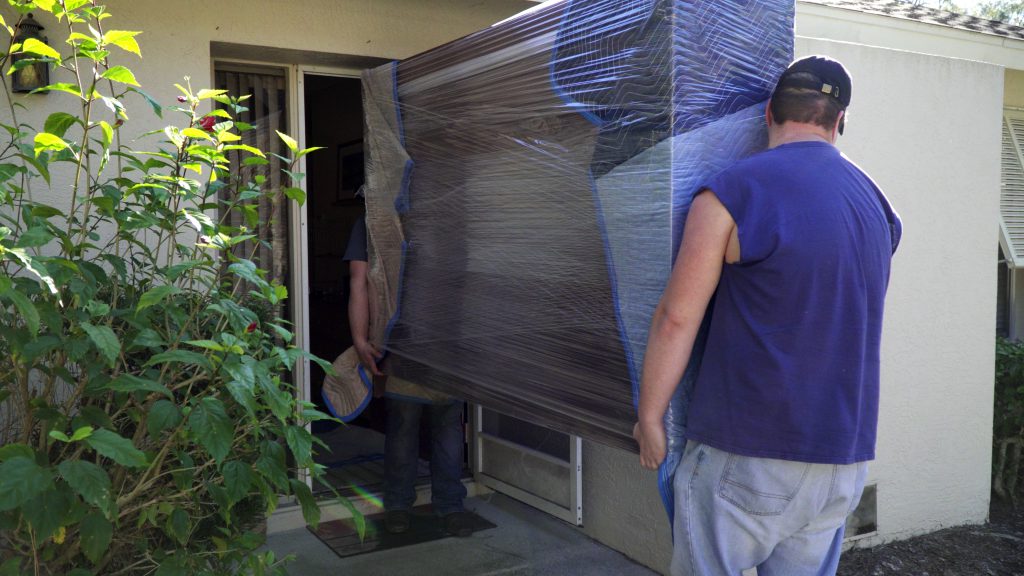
point(1013, 90)
point(937, 158)
point(847, 25)
point(177, 37)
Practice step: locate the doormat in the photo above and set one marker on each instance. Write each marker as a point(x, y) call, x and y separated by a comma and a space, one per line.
point(425, 526)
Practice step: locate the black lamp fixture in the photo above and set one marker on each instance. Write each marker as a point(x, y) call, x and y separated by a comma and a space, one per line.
point(32, 76)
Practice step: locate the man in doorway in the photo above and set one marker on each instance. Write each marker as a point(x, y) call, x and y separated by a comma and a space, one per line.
point(798, 241)
point(406, 403)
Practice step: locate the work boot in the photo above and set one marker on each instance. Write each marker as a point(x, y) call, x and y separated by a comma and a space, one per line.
point(396, 521)
point(458, 524)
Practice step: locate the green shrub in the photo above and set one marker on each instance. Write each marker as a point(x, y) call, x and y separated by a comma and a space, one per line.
point(1008, 420)
point(147, 420)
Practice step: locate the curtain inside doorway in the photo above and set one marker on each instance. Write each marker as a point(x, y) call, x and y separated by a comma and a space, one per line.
point(267, 113)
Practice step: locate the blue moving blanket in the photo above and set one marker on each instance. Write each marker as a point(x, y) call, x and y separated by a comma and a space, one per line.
point(546, 168)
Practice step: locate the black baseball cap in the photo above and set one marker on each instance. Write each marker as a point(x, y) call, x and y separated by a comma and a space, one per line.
point(830, 77)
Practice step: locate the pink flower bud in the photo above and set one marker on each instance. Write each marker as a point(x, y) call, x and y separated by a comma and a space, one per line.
point(182, 99)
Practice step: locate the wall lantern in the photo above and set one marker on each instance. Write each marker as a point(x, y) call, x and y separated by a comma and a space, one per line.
point(35, 75)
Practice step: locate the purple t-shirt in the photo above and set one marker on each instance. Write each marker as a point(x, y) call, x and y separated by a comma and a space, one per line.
point(791, 365)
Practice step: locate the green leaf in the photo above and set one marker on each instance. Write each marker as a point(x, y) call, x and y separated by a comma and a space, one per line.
point(255, 161)
point(60, 87)
point(288, 141)
point(46, 141)
point(357, 516)
point(89, 481)
point(108, 133)
point(9, 451)
point(120, 74)
point(296, 194)
point(183, 356)
point(25, 308)
point(271, 464)
point(148, 338)
point(207, 93)
point(47, 512)
point(105, 340)
point(310, 510)
point(59, 122)
point(81, 433)
point(34, 266)
point(45, 5)
point(156, 295)
point(211, 426)
point(21, 479)
point(96, 308)
point(206, 344)
point(163, 415)
point(12, 567)
point(36, 46)
point(131, 383)
point(307, 151)
point(96, 532)
point(247, 270)
point(237, 480)
point(178, 526)
point(95, 416)
point(34, 237)
point(123, 39)
point(220, 113)
point(117, 448)
point(173, 566)
point(300, 442)
point(246, 148)
point(8, 171)
point(195, 133)
point(157, 108)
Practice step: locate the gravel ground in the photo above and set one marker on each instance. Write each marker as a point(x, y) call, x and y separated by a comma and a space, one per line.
point(993, 549)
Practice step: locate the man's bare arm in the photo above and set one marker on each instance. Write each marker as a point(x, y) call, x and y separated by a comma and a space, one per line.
point(359, 315)
point(706, 240)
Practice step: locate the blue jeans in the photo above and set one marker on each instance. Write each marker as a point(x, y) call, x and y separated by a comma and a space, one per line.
point(736, 512)
point(401, 455)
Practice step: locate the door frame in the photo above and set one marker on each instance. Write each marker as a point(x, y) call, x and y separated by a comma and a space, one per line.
point(300, 227)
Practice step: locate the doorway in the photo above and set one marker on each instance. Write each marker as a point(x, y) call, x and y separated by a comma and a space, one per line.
point(333, 116)
point(334, 121)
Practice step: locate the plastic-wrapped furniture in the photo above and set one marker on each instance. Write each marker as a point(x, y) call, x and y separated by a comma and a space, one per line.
point(527, 189)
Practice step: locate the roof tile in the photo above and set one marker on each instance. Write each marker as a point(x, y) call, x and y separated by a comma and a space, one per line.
point(927, 14)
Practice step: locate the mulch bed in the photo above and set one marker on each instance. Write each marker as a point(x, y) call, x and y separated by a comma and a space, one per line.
point(993, 549)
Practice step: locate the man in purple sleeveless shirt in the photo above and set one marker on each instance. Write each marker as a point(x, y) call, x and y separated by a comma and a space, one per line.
point(797, 240)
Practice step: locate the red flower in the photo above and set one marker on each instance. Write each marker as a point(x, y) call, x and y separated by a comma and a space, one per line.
point(207, 122)
point(251, 328)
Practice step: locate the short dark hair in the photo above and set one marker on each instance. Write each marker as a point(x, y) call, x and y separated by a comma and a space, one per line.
point(798, 104)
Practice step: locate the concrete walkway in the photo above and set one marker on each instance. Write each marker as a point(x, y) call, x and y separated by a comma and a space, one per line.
point(526, 542)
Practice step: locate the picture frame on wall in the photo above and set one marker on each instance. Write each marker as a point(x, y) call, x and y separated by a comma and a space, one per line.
point(351, 170)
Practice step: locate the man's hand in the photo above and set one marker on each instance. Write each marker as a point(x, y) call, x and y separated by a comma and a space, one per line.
point(368, 356)
point(652, 440)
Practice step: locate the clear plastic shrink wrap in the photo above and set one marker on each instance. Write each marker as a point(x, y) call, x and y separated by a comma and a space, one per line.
point(527, 189)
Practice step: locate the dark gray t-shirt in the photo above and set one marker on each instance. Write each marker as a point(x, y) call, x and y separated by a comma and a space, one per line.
point(356, 249)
